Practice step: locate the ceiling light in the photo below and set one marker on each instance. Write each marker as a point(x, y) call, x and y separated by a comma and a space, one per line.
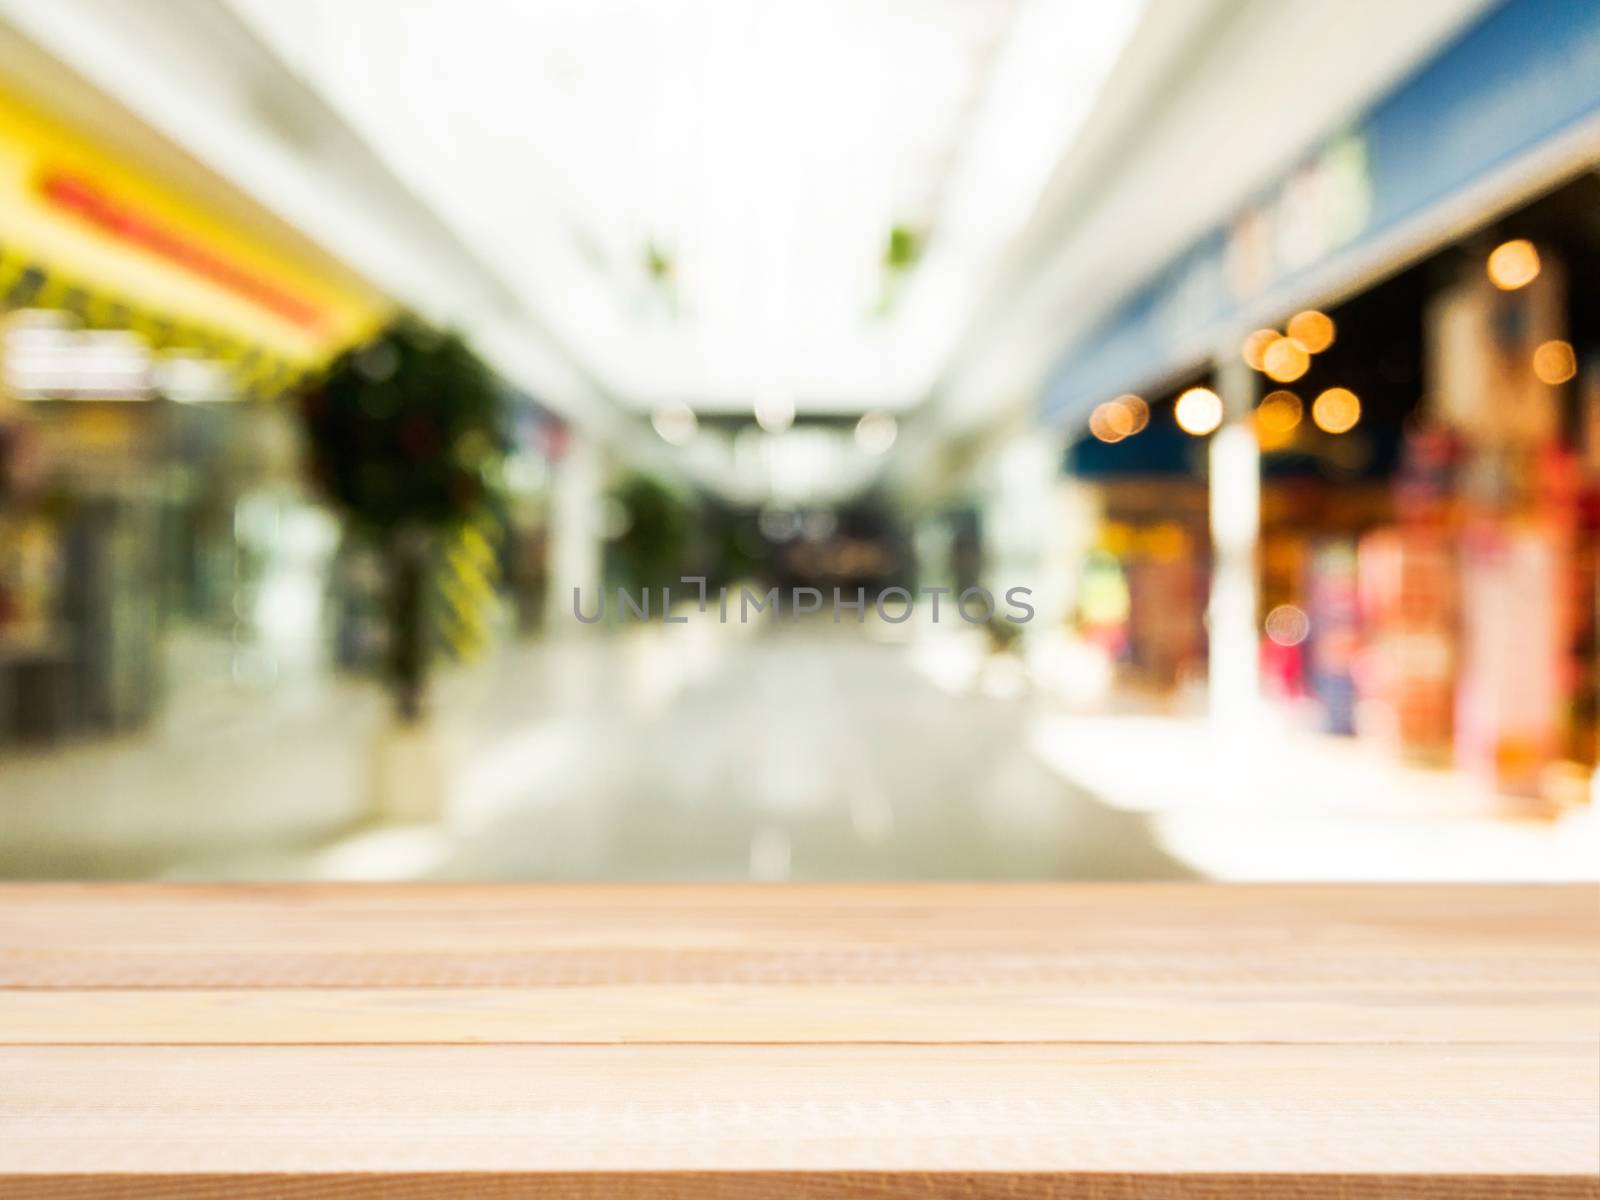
point(875, 432)
point(675, 423)
point(741, 240)
point(774, 411)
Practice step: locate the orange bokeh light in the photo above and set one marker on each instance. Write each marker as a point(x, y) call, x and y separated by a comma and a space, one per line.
point(1513, 264)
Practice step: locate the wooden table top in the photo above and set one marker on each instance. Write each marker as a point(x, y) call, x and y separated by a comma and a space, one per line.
point(1099, 1040)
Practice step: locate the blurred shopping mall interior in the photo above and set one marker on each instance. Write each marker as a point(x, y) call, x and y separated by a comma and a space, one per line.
point(799, 439)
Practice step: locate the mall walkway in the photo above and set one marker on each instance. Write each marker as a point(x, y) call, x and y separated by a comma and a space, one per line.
point(695, 753)
point(703, 752)
point(797, 754)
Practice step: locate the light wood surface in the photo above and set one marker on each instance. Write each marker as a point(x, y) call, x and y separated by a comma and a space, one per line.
point(712, 1041)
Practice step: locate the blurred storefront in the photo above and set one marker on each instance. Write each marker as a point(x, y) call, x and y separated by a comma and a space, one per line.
point(1346, 446)
point(1145, 580)
point(149, 483)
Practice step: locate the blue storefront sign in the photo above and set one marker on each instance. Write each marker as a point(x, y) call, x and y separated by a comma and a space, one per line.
point(1525, 73)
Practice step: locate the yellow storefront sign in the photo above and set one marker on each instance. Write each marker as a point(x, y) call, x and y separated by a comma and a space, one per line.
point(83, 230)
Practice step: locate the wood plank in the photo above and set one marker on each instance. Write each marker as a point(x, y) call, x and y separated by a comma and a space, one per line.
point(1355, 1111)
point(1391, 1011)
point(796, 1185)
point(108, 910)
point(484, 936)
point(706, 1041)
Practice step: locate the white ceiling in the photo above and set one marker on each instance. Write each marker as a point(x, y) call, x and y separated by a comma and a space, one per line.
point(763, 150)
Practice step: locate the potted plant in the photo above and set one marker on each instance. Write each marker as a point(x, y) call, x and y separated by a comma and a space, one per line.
point(406, 435)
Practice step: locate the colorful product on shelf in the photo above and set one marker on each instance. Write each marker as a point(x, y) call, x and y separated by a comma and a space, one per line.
point(1510, 704)
point(1407, 669)
point(1166, 598)
point(1334, 608)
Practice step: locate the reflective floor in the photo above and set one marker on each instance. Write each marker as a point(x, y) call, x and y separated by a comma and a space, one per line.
point(708, 753)
point(807, 755)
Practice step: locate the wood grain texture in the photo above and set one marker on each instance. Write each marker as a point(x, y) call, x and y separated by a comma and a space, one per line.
point(754, 1013)
point(1188, 1109)
point(796, 1185)
point(714, 1041)
point(1316, 937)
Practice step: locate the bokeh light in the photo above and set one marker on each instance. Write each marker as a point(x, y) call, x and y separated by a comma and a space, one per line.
point(774, 411)
point(1138, 412)
point(1312, 329)
point(1198, 411)
point(1120, 418)
point(675, 423)
point(1285, 360)
point(1255, 347)
point(1280, 411)
point(875, 432)
point(1277, 417)
point(1109, 422)
point(1287, 625)
point(1554, 362)
point(1513, 264)
point(1336, 410)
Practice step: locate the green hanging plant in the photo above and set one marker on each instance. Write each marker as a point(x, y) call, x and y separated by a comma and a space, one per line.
point(903, 250)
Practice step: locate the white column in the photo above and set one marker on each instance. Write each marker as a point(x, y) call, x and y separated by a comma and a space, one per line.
point(576, 513)
point(1018, 512)
point(1235, 677)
